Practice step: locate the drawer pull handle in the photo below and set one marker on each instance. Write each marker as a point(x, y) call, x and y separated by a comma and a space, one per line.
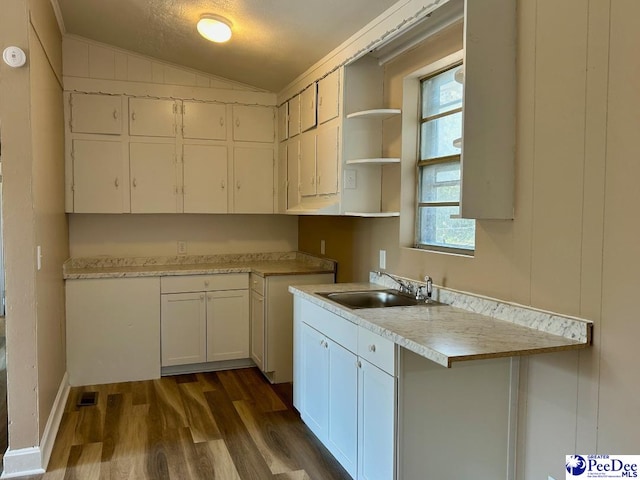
point(372, 348)
point(115, 114)
point(359, 364)
point(206, 283)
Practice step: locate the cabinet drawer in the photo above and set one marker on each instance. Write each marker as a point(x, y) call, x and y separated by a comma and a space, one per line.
point(257, 284)
point(377, 350)
point(204, 283)
point(338, 329)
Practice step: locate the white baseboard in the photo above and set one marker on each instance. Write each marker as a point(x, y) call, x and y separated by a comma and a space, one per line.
point(34, 460)
point(53, 423)
point(22, 462)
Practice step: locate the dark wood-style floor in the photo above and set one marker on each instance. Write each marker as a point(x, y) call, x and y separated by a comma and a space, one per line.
point(226, 425)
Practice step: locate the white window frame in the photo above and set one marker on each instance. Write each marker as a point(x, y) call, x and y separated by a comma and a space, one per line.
point(411, 121)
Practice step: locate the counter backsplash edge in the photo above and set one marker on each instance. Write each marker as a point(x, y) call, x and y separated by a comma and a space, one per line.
point(573, 328)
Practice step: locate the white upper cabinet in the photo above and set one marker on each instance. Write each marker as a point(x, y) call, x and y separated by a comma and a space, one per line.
point(204, 170)
point(282, 178)
point(205, 121)
point(253, 124)
point(253, 178)
point(283, 122)
point(293, 180)
point(99, 183)
point(154, 186)
point(308, 164)
point(308, 113)
point(152, 117)
point(329, 97)
point(94, 113)
point(327, 160)
point(294, 116)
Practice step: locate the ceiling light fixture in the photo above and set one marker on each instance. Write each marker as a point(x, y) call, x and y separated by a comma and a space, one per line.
point(214, 28)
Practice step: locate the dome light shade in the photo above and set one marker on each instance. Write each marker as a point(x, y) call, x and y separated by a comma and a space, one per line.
point(214, 28)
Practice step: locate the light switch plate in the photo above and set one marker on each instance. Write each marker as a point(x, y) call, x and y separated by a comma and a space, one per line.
point(182, 248)
point(350, 179)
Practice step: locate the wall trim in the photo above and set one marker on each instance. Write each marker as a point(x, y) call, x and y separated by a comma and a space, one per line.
point(22, 462)
point(53, 423)
point(58, 13)
point(34, 460)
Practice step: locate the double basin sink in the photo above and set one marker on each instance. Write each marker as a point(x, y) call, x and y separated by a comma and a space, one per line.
point(376, 299)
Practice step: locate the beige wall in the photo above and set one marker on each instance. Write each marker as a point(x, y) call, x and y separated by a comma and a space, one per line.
point(141, 235)
point(31, 109)
point(573, 245)
point(51, 230)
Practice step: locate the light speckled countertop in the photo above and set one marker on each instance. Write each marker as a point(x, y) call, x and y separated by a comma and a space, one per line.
point(265, 264)
point(446, 334)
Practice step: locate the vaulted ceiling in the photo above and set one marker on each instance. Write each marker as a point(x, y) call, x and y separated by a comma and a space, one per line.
point(273, 41)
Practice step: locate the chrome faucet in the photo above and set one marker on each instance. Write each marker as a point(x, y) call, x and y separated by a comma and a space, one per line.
point(405, 287)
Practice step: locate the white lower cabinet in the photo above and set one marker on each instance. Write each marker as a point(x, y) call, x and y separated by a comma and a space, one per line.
point(113, 333)
point(204, 318)
point(272, 322)
point(347, 401)
point(376, 422)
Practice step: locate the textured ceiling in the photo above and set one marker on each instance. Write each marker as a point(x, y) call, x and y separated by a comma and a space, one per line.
point(274, 40)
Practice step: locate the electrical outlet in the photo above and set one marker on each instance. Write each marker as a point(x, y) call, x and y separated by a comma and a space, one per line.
point(383, 259)
point(182, 248)
point(322, 247)
point(350, 179)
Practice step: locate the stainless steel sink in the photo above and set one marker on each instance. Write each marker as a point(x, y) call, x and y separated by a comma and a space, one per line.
point(376, 299)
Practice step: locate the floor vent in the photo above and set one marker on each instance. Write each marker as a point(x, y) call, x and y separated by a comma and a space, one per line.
point(87, 399)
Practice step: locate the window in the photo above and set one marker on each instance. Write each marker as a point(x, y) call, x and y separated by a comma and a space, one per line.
point(438, 168)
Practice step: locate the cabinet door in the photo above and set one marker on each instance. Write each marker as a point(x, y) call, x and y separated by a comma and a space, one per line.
point(342, 428)
point(152, 117)
point(206, 121)
point(93, 113)
point(204, 170)
point(329, 97)
point(327, 161)
point(294, 116)
point(308, 117)
point(308, 164)
point(315, 381)
point(257, 329)
point(98, 180)
point(113, 330)
point(282, 178)
point(253, 124)
point(153, 178)
point(283, 122)
point(377, 420)
point(293, 180)
point(253, 173)
point(227, 325)
point(183, 328)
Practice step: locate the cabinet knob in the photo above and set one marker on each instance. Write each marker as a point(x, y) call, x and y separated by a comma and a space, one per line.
point(206, 283)
point(116, 182)
point(237, 121)
point(319, 179)
point(134, 183)
point(133, 115)
point(222, 185)
point(372, 348)
point(202, 297)
point(320, 101)
point(359, 363)
point(222, 121)
point(238, 184)
point(115, 114)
